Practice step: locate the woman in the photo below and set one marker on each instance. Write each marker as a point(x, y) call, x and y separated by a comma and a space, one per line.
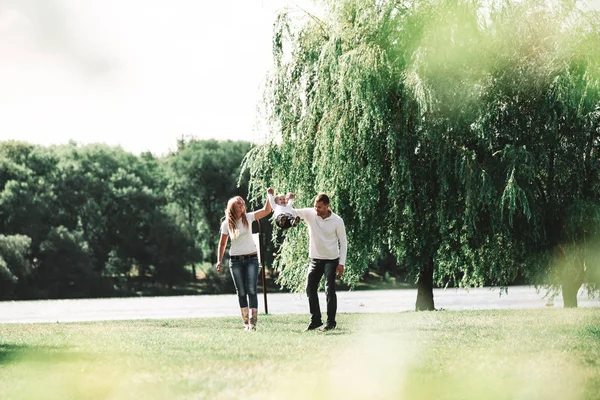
point(243, 259)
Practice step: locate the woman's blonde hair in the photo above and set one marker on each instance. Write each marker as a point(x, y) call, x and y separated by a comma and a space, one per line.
point(231, 219)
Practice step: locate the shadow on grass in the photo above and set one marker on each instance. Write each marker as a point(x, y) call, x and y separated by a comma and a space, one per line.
point(16, 353)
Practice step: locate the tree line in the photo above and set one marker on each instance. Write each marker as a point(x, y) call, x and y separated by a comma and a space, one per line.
point(461, 136)
point(82, 221)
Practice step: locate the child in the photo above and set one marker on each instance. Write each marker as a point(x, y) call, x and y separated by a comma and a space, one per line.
point(283, 211)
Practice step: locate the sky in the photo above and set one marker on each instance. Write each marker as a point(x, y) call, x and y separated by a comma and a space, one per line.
point(134, 73)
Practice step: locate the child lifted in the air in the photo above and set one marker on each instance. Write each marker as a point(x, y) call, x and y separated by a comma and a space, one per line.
point(284, 214)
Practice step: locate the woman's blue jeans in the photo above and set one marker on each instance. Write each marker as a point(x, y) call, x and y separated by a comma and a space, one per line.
point(244, 271)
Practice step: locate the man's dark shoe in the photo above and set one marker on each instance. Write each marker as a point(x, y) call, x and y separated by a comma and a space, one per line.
point(312, 326)
point(327, 327)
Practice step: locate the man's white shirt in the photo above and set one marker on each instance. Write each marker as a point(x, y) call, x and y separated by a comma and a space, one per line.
point(325, 235)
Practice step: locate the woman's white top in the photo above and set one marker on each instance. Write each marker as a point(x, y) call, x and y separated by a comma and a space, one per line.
point(244, 243)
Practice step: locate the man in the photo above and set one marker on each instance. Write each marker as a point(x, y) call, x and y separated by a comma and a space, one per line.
point(326, 231)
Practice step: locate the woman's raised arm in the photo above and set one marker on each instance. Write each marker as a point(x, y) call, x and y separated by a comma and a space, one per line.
point(263, 212)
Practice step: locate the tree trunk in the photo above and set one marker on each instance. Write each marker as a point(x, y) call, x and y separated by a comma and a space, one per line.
point(425, 287)
point(194, 271)
point(191, 224)
point(141, 276)
point(569, 293)
point(573, 277)
point(570, 286)
point(213, 252)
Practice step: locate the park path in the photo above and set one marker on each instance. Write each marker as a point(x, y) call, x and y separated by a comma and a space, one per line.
point(202, 306)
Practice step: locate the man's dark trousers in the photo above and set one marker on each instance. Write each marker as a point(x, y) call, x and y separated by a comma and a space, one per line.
point(316, 269)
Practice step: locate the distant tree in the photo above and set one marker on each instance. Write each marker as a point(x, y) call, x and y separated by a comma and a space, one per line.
point(15, 266)
point(118, 199)
point(86, 194)
point(65, 268)
point(119, 270)
point(171, 250)
point(90, 212)
point(28, 200)
point(203, 175)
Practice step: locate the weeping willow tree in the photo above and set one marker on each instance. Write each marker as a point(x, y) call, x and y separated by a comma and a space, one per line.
point(541, 117)
point(409, 115)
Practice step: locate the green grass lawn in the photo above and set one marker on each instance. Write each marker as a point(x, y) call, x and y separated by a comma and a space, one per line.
point(531, 354)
